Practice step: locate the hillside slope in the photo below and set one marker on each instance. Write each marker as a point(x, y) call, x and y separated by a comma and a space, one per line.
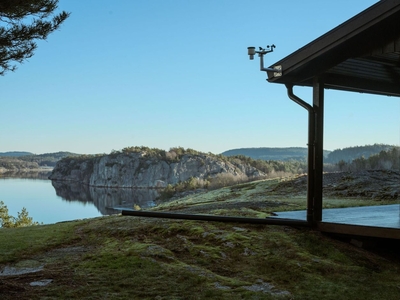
point(181, 259)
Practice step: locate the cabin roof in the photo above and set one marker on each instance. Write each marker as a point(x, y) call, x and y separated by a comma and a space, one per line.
point(360, 55)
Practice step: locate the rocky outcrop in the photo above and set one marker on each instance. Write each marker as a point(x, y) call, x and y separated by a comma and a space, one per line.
point(372, 184)
point(140, 170)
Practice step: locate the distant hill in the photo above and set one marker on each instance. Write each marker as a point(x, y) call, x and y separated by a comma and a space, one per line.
point(29, 161)
point(14, 154)
point(278, 154)
point(349, 154)
point(300, 154)
point(46, 159)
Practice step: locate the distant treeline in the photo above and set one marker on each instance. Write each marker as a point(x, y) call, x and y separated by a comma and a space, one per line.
point(269, 154)
point(349, 154)
point(47, 159)
point(15, 153)
point(377, 156)
point(31, 161)
point(273, 168)
point(384, 160)
point(300, 154)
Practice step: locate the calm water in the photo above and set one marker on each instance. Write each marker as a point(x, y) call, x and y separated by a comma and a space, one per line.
point(50, 202)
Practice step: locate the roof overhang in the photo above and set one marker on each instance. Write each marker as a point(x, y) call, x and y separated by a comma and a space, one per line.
point(360, 55)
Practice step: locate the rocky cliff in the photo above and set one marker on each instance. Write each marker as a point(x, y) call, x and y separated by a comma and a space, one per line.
point(141, 169)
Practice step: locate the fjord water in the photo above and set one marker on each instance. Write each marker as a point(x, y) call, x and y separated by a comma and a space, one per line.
point(50, 202)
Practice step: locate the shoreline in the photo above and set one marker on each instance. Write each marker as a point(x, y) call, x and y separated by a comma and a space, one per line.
point(38, 170)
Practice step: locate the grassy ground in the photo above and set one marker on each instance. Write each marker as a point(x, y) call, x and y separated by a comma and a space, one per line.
point(120, 257)
point(259, 198)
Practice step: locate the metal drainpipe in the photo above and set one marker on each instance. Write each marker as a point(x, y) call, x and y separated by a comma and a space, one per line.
point(311, 152)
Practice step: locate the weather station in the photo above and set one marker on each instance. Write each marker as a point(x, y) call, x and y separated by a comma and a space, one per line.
point(275, 70)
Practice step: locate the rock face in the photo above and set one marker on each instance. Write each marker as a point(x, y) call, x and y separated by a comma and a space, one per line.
point(139, 170)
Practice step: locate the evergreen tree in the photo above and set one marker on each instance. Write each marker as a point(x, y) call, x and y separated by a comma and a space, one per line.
point(22, 22)
point(7, 221)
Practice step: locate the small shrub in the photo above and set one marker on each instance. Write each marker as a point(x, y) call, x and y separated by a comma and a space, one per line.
point(192, 183)
point(226, 179)
point(171, 155)
point(7, 221)
point(167, 193)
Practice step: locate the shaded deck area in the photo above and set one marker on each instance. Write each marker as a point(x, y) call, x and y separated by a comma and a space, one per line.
point(360, 55)
point(381, 221)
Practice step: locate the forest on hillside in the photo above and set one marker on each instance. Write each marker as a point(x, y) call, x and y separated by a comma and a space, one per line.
point(15, 154)
point(384, 160)
point(300, 154)
point(349, 154)
point(265, 153)
point(31, 161)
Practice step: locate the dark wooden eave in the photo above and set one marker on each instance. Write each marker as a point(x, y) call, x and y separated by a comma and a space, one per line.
point(361, 55)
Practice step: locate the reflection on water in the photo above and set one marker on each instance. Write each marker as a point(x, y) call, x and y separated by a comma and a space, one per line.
point(106, 198)
point(50, 202)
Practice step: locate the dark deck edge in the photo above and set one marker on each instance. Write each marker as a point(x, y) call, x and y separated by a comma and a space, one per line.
point(359, 230)
point(325, 227)
point(168, 215)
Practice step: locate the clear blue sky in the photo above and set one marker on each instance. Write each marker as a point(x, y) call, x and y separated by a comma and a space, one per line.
point(171, 73)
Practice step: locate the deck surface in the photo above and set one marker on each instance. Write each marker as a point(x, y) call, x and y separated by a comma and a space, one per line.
point(377, 216)
point(375, 221)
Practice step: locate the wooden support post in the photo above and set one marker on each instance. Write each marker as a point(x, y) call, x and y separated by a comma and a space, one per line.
point(318, 105)
point(311, 166)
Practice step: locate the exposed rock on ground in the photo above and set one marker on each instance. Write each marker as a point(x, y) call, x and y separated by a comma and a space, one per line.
point(375, 184)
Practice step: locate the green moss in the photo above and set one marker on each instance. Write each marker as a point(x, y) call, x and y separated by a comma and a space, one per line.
point(19, 242)
point(142, 258)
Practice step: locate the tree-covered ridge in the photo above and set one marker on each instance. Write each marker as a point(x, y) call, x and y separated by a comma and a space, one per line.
point(32, 161)
point(271, 167)
point(384, 160)
point(16, 164)
point(174, 153)
point(300, 154)
point(349, 154)
point(47, 159)
point(266, 153)
point(15, 153)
